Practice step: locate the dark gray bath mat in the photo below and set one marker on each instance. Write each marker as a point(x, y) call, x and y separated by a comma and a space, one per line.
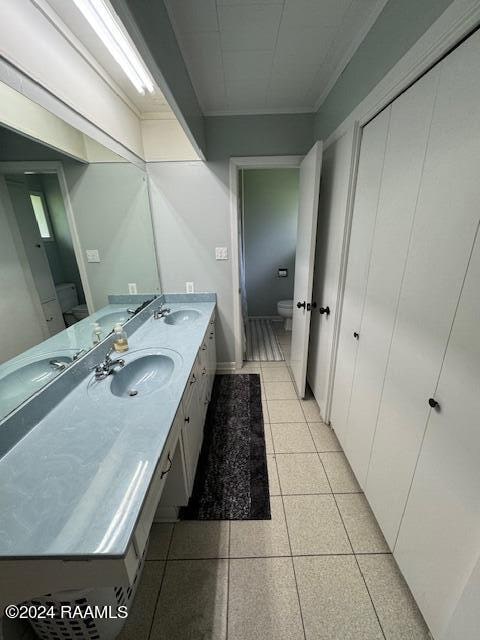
point(231, 482)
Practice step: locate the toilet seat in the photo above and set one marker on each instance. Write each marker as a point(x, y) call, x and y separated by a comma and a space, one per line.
point(285, 304)
point(80, 311)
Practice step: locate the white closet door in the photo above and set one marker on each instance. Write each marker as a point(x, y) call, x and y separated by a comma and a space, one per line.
point(405, 153)
point(439, 538)
point(442, 237)
point(332, 208)
point(370, 166)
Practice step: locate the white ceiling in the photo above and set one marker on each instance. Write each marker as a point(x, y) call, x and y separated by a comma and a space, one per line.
point(267, 56)
point(72, 18)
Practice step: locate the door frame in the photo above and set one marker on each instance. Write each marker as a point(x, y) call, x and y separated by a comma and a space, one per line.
point(56, 167)
point(236, 164)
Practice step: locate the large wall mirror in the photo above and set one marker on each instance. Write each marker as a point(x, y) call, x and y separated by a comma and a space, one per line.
point(75, 235)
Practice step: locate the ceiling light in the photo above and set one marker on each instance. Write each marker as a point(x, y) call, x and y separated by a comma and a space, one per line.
point(101, 19)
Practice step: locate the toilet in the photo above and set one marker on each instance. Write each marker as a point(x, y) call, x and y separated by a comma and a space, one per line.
point(285, 310)
point(68, 300)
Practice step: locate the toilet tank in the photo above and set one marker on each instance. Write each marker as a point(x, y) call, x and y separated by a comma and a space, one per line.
point(67, 296)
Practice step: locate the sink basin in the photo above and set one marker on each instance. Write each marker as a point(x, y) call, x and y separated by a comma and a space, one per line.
point(109, 320)
point(25, 380)
point(184, 316)
point(142, 376)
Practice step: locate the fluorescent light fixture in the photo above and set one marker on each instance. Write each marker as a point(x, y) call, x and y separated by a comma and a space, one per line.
point(100, 17)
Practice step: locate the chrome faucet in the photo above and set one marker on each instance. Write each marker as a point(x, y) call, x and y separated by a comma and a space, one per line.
point(106, 367)
point(160, 312)
point(58, 365)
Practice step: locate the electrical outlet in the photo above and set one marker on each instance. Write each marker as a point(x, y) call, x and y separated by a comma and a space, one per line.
point(92, 255)
point(189, 287)
point(132, 288)
point(221, 253)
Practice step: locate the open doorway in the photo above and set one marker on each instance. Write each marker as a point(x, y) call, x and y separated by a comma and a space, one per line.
point(269, 211)
point(38, 218)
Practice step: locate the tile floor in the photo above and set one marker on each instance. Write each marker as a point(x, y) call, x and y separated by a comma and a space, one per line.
point(318, 570)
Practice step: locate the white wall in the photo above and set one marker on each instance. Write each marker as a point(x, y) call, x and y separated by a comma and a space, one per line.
point(20, 327)
point(112, 214)
point(191, 214)
point(164, 139)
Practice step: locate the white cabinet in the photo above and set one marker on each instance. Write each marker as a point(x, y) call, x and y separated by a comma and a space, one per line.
point(410, 120)
point(363, 223)
point(439, 540)
point(442, 236)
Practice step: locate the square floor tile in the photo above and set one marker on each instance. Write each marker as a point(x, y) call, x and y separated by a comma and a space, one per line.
point(193, 601)
point(249, 367)
point(314, 525)
point(339, 472)
point(395, 606)
point(273, 484)
point(271, 364)
point(334, 600)
point(285, 411)
point(268, 438)
point(266, 417)
point(159, 541)
point(261, 538)
point(311, 410)
point(279, 390)
point(199, 539)
point(360, 523)
point(141, 612)
point(324, 437)
point(263, 600)
point(292, 437)
point(276, 374)
point(301, 473)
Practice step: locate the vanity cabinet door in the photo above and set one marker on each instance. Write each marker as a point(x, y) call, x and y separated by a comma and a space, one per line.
point(192, 431)
point(211, 357)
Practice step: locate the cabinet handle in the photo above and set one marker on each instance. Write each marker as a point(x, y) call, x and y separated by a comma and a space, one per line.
point(164, 473)
point(433, 403)
point(211, 337)
point(301, 304)
point(356, 335)
point(204, 348)
point(325, 310)
point(204, 371)
point(187, 419)
point(194, 379)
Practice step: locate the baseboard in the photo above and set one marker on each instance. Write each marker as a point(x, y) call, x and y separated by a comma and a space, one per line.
point(225, 367)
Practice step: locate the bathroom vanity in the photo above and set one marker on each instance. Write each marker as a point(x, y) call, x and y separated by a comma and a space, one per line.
point(88, 464)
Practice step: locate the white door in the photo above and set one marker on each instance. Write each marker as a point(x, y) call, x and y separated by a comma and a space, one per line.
point(309, 184)
point(410, 120)
point(442, 237)
point(372, 153)
point(31, 238)
point(438, 543)
point(332, 207)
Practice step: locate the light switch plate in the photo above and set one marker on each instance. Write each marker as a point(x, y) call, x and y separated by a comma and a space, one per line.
point(221, 253)
point(132, 288)
point(189, 287)
point(92, 255)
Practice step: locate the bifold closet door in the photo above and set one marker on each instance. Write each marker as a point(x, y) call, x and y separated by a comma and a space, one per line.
point(410, 120)
point(442, 237)
point(439, 539)
point(372, 152)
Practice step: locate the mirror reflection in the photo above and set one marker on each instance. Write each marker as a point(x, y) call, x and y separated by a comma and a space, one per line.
point(68, 230)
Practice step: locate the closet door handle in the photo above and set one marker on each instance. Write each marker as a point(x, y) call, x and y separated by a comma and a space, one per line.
point(433, 403)
point(356, 335)
point(301, 304)
point(325, 310)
